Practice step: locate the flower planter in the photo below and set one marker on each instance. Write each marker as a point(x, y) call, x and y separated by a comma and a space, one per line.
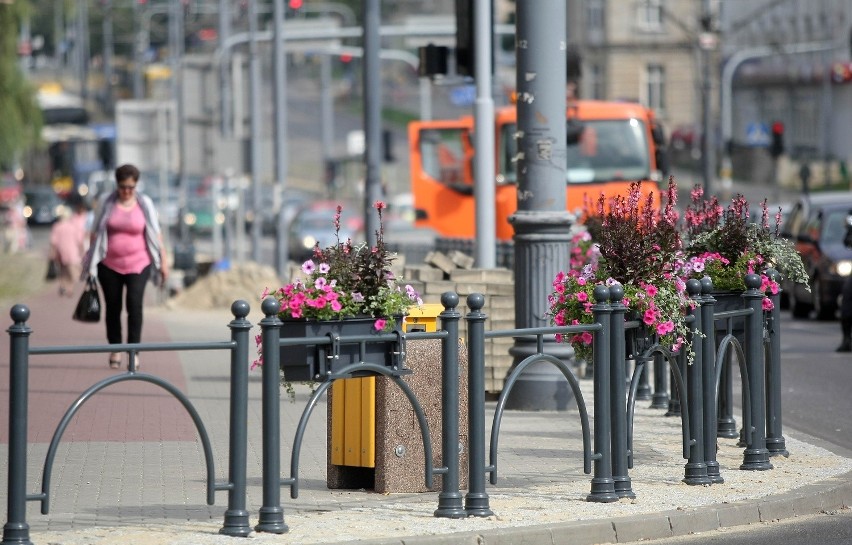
point(725, 301)
point(314, 362)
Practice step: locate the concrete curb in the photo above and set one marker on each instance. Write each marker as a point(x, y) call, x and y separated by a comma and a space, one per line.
point(822, 497)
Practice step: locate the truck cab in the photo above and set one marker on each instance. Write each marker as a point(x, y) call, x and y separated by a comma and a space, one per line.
point(610, 145)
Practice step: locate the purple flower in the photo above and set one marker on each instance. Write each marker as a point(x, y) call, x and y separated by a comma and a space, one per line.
point(308, 267)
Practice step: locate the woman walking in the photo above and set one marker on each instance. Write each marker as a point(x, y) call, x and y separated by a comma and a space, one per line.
point(126, 249)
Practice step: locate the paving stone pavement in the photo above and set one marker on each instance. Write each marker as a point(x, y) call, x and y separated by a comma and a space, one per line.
point(131, 470)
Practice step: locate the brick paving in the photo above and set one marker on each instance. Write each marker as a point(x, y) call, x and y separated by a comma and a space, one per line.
point(130, 468)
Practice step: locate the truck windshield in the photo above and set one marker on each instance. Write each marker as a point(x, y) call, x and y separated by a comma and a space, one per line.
point(607, 150)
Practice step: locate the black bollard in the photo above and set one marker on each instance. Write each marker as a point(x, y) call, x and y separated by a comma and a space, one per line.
point(271, 516)
point(618, 395)
point(660, 398)
point(756, 455)
point(775, 442)
point(236, 516)
point(476, 500)
point(17, 530)
point(603, 486)
point(450, 499)
point(695, 471)
point(708, 348)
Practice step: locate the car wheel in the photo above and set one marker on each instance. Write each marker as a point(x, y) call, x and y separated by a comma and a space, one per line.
point(798, 308)
point(824, 310)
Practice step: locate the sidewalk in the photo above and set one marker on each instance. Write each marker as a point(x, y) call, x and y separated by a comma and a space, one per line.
point(130, 468)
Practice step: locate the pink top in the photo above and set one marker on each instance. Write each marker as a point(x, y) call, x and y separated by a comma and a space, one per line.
point(67, 241)
point(127, 252)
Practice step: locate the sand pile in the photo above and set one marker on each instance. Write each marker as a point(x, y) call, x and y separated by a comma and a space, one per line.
point(221, 288)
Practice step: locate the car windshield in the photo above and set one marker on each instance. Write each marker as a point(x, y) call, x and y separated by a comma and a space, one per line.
point(834, 227)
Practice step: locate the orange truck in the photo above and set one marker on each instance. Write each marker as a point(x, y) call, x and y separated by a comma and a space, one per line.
point(610, 145)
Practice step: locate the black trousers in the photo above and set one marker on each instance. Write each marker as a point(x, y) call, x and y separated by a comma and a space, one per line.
point(114, 285)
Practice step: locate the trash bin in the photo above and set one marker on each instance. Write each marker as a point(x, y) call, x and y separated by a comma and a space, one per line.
point(373, 436)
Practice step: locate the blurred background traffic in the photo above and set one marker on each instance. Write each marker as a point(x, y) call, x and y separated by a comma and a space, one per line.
point(746, 95)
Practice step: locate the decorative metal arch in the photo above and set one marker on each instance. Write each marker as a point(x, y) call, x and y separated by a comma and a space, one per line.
point(681, 390)
point(730, 343)
point(44, 497)
point(578, 395)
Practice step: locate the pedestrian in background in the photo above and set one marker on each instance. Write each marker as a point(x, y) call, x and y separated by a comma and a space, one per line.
point(126, 251)
point(82, 214)
point(67, 247)
point(846, 297)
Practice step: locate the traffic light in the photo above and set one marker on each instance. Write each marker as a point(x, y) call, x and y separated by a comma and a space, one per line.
point(466, 38)
point(293, 7)
point(776, 147)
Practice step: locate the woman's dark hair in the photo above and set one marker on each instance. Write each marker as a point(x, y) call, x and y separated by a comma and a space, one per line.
point(126, 171)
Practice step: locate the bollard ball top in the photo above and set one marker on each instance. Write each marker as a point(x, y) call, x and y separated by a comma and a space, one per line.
point(270, 306)
point(752, 281)
point(706, 285)
point(240, 309)
point(475, 301)
point(693, 287)
point(601, 293)
point(20, 313)
point(450, 299)
point(616, 293)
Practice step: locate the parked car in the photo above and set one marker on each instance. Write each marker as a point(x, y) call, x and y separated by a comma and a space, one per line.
point(314, 225)
point(10, 188)
point(816, 225)
point(202, 215)
point(42, 205)
point(167, 207)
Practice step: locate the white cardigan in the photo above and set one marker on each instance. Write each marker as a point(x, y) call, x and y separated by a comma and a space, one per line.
point(98, 250)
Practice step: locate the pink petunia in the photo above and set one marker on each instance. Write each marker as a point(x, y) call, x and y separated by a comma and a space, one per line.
point(665, 327)
point(767, 304)
point(380, 324)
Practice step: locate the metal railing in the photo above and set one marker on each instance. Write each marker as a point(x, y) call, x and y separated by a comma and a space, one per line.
point(607, 439)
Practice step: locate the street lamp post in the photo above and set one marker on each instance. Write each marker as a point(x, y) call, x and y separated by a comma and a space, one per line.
point(541, 222)
point(372, 117)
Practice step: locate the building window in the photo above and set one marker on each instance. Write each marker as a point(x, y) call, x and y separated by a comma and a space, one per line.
point(596, 82)
point(595, 15)
point(655, 87)
point(650, 15)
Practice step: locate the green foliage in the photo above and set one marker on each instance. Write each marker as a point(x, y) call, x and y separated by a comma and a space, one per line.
point(744, 246)
point(21, 118)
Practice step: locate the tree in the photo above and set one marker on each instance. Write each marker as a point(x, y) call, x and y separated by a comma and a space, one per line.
point(21, 125)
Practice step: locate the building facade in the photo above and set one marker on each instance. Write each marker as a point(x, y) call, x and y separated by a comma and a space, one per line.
point(790, 63)
point(642, 50)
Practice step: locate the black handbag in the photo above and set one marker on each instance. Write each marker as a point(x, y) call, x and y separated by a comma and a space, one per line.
point(89, 306)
